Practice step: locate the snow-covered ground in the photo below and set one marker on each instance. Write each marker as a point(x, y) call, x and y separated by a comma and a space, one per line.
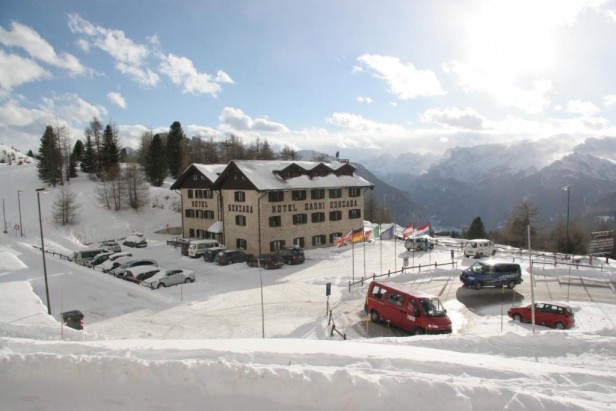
point(200, 346)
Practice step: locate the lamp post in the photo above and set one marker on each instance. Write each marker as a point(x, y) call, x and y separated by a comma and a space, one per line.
point(38, 198)
point(21, 227)
point(568, 190)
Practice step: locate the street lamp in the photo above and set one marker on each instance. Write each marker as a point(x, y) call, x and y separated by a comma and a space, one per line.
point(568, 190)
point(38, 198)
point(21, 227)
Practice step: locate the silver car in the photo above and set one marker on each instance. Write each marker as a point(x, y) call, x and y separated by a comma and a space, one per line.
point(169, 277)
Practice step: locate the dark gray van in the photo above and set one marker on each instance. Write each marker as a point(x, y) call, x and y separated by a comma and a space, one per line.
point(490, 273)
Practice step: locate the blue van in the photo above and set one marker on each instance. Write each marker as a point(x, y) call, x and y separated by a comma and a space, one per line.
point(490, 273)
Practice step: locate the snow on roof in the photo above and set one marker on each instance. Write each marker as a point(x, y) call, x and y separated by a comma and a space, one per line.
point(211, 171)
point(262, 175)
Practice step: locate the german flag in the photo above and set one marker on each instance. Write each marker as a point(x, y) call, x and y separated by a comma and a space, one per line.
point(357, 236)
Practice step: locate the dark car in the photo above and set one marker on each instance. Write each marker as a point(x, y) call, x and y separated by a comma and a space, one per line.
point(267, 261)
point(98, 259)
point(225, 257)
point(210, 253)
point(140, 273)
point(291, 255)
point(556, 315)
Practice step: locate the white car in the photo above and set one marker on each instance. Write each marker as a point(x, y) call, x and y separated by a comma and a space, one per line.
point(168, 277)
point(115, 260)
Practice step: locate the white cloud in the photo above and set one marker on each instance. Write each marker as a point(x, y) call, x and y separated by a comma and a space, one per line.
point(117, 99)
point(467, 119)
point(404, 80)
point(609, 100)
point(366, 100)
point(585, 108)
point(233, 119)
point(28, 39)
point(203, 132)
point(131, 58)
point(73, 109)
point(16, 70)
point(181, 71)
point(358, 123)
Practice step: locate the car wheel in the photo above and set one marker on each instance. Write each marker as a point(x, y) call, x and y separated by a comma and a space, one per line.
point(478, 286)
point(188, 280)
point(161, 285)
point(408, 249)
point(418, 248)
point(559, 326)
point(374, 316)
point(419, 331)
point(511, 284)
point(517, 317)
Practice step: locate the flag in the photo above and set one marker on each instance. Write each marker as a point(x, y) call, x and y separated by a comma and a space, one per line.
point(408, 231)
point(357, 235)
point(376, 232)
point(388, 234)
point(340, 241)
point(423, 229)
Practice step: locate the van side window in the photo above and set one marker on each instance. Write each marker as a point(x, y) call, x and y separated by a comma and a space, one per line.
point(377, 292)
point(395, 299)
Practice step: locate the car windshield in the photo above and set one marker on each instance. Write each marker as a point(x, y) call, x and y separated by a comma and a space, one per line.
point(432, 307)
point(477, 267)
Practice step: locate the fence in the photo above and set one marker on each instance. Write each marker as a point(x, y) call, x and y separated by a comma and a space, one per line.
point(62, 256)
point(403, 270)
point(330, 321)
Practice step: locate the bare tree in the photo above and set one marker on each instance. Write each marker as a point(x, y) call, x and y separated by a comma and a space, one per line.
point(65, 208)
point(136, 185)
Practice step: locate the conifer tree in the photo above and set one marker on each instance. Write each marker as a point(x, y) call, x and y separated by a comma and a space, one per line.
point(89, 156)
point(476, 230)
point(50, 158)
point(155, 165)
point(109, 154)
point(174, 149)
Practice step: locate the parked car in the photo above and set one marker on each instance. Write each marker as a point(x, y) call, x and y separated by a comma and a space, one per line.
point(114, 261)
point(111, 245)
point(98, 259)
point(210, 253)
point(225, 257)
point(168, 277)
point(135, 240)
point(418, 244)
point(292, 254)
point(140, 273)
point(121, 270)
point(267, 261)
point(196, 248)
point(479, 248)
point(83, 256)
point(404, 307)
point(491, 273)
point(552, 314)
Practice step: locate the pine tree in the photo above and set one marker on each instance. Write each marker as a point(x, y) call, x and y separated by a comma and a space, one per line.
point(266, 151)
point(109, 154)
point(89, 156)
point(476, 230)
point(50, 158)
point(287, 153)
point(155, 165)
point(174, 149)
point(78, 150)
point(95, 131)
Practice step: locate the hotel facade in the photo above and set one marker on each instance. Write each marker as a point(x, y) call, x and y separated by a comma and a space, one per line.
point(262, 206)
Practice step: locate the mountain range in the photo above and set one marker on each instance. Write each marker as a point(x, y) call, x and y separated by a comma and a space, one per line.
point(490, 180)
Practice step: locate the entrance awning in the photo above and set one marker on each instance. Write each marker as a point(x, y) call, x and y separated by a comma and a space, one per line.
point(215, 228)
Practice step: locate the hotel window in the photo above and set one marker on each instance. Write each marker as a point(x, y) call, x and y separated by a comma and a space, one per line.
point(317, 194)
point(275, 221)
point(240, 220)
point(318, 239)
point(354, 213)
point(199, 214)
point(276, 196)
point(239, 196)
point(190, 213)
point(208, 194)
point(208, 215)
point(190, 194)
point(198, 193)
point(317, 217)
point(191, 232)
point(298, 195)
point(200, 234)
point(354, 192)
point(333, 236)
point(299, 241)
point(335, 215)
point(335, 193)
point(300, 218)
point(240, 244)
point(276, 245)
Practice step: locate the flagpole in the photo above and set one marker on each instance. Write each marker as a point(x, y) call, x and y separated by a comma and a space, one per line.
point(395, 256)
point(381, 248)
point(363, 235)
point(353, 256)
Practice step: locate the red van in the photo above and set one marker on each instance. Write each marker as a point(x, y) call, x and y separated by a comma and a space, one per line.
point(412, 310)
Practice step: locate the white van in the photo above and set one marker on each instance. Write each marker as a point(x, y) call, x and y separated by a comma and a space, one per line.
point(82, 256)
point(479, 248)
point(196, 248)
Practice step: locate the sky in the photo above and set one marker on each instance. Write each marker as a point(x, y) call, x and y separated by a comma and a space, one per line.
point(359, 77)
point(200, 345)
